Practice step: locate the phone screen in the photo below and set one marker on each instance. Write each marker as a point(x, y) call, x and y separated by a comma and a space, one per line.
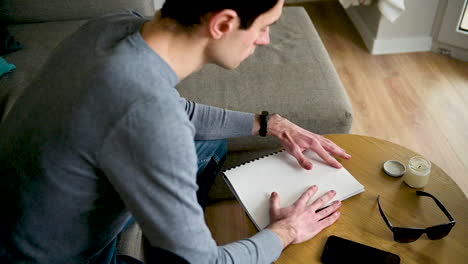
point(339, 250)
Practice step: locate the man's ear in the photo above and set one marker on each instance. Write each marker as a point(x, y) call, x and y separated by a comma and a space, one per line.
point(223, 22)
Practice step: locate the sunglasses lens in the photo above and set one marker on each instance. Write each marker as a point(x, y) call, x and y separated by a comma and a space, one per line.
point(406, 235)
point(438, 232)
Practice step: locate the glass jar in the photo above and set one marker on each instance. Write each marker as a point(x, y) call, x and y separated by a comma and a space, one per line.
point(418, 173)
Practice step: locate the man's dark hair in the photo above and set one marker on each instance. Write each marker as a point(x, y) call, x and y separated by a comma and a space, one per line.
point(189, 13)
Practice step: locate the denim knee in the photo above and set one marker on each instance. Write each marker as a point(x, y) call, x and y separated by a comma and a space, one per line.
point(210, 149)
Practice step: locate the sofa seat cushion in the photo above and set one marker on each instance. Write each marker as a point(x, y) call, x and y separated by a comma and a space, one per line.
point(38, 40)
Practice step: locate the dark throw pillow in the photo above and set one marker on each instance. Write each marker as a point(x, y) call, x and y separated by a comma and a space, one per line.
point(7, 42)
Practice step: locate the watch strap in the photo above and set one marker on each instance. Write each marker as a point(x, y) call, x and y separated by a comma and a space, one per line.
point(263, 124)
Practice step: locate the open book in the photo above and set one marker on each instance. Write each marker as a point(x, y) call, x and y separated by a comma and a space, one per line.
point(253, 182)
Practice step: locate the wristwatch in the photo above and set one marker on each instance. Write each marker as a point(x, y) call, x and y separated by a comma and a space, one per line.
point(263, 124)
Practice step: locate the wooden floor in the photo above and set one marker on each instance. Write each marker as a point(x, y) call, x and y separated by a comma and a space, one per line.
point(417, 100)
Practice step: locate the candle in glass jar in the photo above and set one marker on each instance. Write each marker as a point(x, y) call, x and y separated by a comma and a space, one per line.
point(419, 170)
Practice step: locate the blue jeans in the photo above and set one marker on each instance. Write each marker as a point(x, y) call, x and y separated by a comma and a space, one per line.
point(211, 155)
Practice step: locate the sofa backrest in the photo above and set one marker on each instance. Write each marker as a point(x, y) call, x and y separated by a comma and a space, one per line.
point(31, 11)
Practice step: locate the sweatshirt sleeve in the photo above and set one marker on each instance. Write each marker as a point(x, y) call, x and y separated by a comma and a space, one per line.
point(264, 246)
point(149, 158)
point(217, 123)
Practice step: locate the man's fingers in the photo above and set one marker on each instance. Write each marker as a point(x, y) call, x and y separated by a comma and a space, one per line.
point(334, 149)
point(328, 221)
point(301, 159)
point(305, 197)
point(337, 151)
point(274, 204)
point(329, 210)
point(323, 200)
point(328, 158)
point(296, 151)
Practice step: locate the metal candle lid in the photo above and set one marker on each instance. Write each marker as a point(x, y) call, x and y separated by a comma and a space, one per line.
point(394, 168)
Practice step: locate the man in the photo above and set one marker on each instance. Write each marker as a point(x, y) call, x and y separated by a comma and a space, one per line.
point(102, 136)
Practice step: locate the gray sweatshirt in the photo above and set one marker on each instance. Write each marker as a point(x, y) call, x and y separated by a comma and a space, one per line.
point(100, 135)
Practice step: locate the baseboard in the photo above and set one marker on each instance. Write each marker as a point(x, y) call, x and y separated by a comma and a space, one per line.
point(387, 46)
point(401, 45)
point(450, 51)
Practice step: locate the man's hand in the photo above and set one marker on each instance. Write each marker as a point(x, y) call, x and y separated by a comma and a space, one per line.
point(300, 221)
point(296, 140)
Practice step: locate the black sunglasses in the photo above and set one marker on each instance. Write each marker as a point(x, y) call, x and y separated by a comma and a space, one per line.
point(410, 234)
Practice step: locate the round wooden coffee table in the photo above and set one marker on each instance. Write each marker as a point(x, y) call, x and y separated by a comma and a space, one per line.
point(361, 221)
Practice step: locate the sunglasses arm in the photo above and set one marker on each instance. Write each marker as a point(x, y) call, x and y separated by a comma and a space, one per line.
point(389, 224)
point(439, 204)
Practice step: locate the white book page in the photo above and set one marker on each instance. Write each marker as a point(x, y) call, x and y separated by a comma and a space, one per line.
point(254, 182)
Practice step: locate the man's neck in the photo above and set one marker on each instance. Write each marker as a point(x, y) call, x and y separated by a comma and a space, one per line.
point(183, 51)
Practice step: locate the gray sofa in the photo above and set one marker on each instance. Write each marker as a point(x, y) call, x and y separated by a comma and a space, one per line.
point(292, 76)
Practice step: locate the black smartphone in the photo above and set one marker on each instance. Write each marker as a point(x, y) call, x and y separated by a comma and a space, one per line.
point(340, 250)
